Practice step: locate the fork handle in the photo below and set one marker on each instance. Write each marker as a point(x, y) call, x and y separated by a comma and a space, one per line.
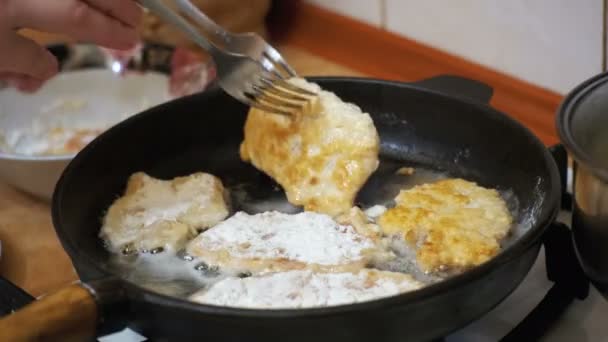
point(167, 14)
point(210, 26)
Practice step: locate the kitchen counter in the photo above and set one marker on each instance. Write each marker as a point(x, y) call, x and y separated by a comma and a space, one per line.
point(32, 256)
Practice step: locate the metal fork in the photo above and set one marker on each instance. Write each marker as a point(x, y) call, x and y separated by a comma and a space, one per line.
point(248, 68)
point(248, 43)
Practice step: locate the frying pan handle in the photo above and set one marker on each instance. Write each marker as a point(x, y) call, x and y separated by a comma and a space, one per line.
point(73, 313)
point(459, 87)
point(67, 315)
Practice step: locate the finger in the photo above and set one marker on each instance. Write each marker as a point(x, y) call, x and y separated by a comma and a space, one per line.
point(26, 57)
point(27, 84)
point(73, 18)
point(5, 75)
point(126, 11)
point(22, 82)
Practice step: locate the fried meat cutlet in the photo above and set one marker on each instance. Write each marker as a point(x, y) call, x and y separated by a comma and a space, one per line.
point(451, 224)
point(155, 213)
point(273, 241)
point(321, 156)
point(305, 288)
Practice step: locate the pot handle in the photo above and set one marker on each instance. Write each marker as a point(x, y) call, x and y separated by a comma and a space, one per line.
point(560, 155)
point(78, 312)
point(69, 314)
point(459, 87)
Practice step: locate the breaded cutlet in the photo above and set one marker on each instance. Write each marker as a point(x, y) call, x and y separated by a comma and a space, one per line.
point(155, 213)
point(305, 289)
point(450, 224)
point(274, 241)
point(321, 156)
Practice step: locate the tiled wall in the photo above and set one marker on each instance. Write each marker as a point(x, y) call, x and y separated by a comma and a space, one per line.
point(369, 11)
point(551, 43)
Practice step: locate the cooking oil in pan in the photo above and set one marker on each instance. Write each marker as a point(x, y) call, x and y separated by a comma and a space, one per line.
point(164, 273)
point(380, 189)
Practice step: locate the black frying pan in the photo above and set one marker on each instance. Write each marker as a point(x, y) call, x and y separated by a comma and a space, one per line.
point(442, 123)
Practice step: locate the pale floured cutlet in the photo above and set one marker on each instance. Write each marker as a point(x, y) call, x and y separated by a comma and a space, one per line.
point(450, 224)
point(274, 241)
point(155, 213)
point(305, 289)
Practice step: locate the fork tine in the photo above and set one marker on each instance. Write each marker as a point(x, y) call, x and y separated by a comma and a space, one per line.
point(287, 68)
point(270, 88)
point(255, 102)
point(281, 82)
point(267, 64)
point(272, 54)
point(264, 95)
point(287, 88)
point(275, 100)
point(294, 88)
point(270, 68)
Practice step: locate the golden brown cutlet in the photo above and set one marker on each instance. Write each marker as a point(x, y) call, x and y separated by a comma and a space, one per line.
point(321, 156)
point(451, 224)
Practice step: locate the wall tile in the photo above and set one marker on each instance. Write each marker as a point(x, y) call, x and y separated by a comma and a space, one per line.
point(368, 11)
point(552, 43)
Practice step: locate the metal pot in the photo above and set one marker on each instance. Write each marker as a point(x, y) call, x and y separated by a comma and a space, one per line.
point(582, 123)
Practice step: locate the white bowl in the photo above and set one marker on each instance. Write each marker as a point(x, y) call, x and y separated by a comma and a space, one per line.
point(88, 98)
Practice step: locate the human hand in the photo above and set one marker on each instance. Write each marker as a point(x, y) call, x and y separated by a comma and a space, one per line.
point(27, 65)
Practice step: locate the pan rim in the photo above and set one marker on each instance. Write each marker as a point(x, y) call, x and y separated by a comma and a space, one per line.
point(531, 237)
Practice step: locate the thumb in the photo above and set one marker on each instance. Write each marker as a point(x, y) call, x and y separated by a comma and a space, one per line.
point(25, 57)
point(23, 83)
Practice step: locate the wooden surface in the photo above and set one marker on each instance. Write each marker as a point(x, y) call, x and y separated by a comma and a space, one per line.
point(318, 45)
point(68, 315)
point(32, 256)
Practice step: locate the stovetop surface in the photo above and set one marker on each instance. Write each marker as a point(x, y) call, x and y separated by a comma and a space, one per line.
point(583, 320)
